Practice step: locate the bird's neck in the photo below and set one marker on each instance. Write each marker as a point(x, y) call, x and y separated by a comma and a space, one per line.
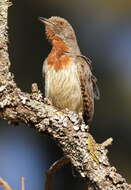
point(59, 46)
point(57, 58)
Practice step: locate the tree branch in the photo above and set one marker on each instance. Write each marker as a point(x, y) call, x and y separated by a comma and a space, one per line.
point(89, 158)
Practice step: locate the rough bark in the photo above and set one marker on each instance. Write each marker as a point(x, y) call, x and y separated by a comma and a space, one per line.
point(72, 135)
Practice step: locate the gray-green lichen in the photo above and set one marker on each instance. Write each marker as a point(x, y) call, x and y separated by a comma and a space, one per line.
point(67, 128)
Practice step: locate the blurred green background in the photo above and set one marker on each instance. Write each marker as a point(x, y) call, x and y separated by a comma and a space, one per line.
point(103, 30)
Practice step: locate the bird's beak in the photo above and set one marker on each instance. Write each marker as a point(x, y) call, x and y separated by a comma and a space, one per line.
point(45, 21)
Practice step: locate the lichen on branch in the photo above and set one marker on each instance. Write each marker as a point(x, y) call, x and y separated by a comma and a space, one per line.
point(72, 135)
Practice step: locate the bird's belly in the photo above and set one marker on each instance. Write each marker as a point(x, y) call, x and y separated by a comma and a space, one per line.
point(63, 88)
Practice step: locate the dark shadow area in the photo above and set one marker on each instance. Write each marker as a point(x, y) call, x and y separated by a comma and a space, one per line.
point(27, 50)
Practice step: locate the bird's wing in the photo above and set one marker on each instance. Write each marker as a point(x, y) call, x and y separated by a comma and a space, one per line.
point(89, 87)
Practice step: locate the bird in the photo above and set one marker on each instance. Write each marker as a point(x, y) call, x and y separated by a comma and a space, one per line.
point(67, 74)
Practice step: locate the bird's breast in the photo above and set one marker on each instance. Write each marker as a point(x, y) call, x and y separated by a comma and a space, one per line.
point(58, 62)
point(57, 59)
point(63, 86)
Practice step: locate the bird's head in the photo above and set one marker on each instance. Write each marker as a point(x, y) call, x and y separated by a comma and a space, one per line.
point(58, 27)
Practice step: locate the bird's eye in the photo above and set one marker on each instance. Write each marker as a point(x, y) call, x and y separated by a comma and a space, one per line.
point(61, 23)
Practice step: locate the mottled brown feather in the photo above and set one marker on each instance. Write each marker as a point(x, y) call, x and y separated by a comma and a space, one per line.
point(85, 74)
